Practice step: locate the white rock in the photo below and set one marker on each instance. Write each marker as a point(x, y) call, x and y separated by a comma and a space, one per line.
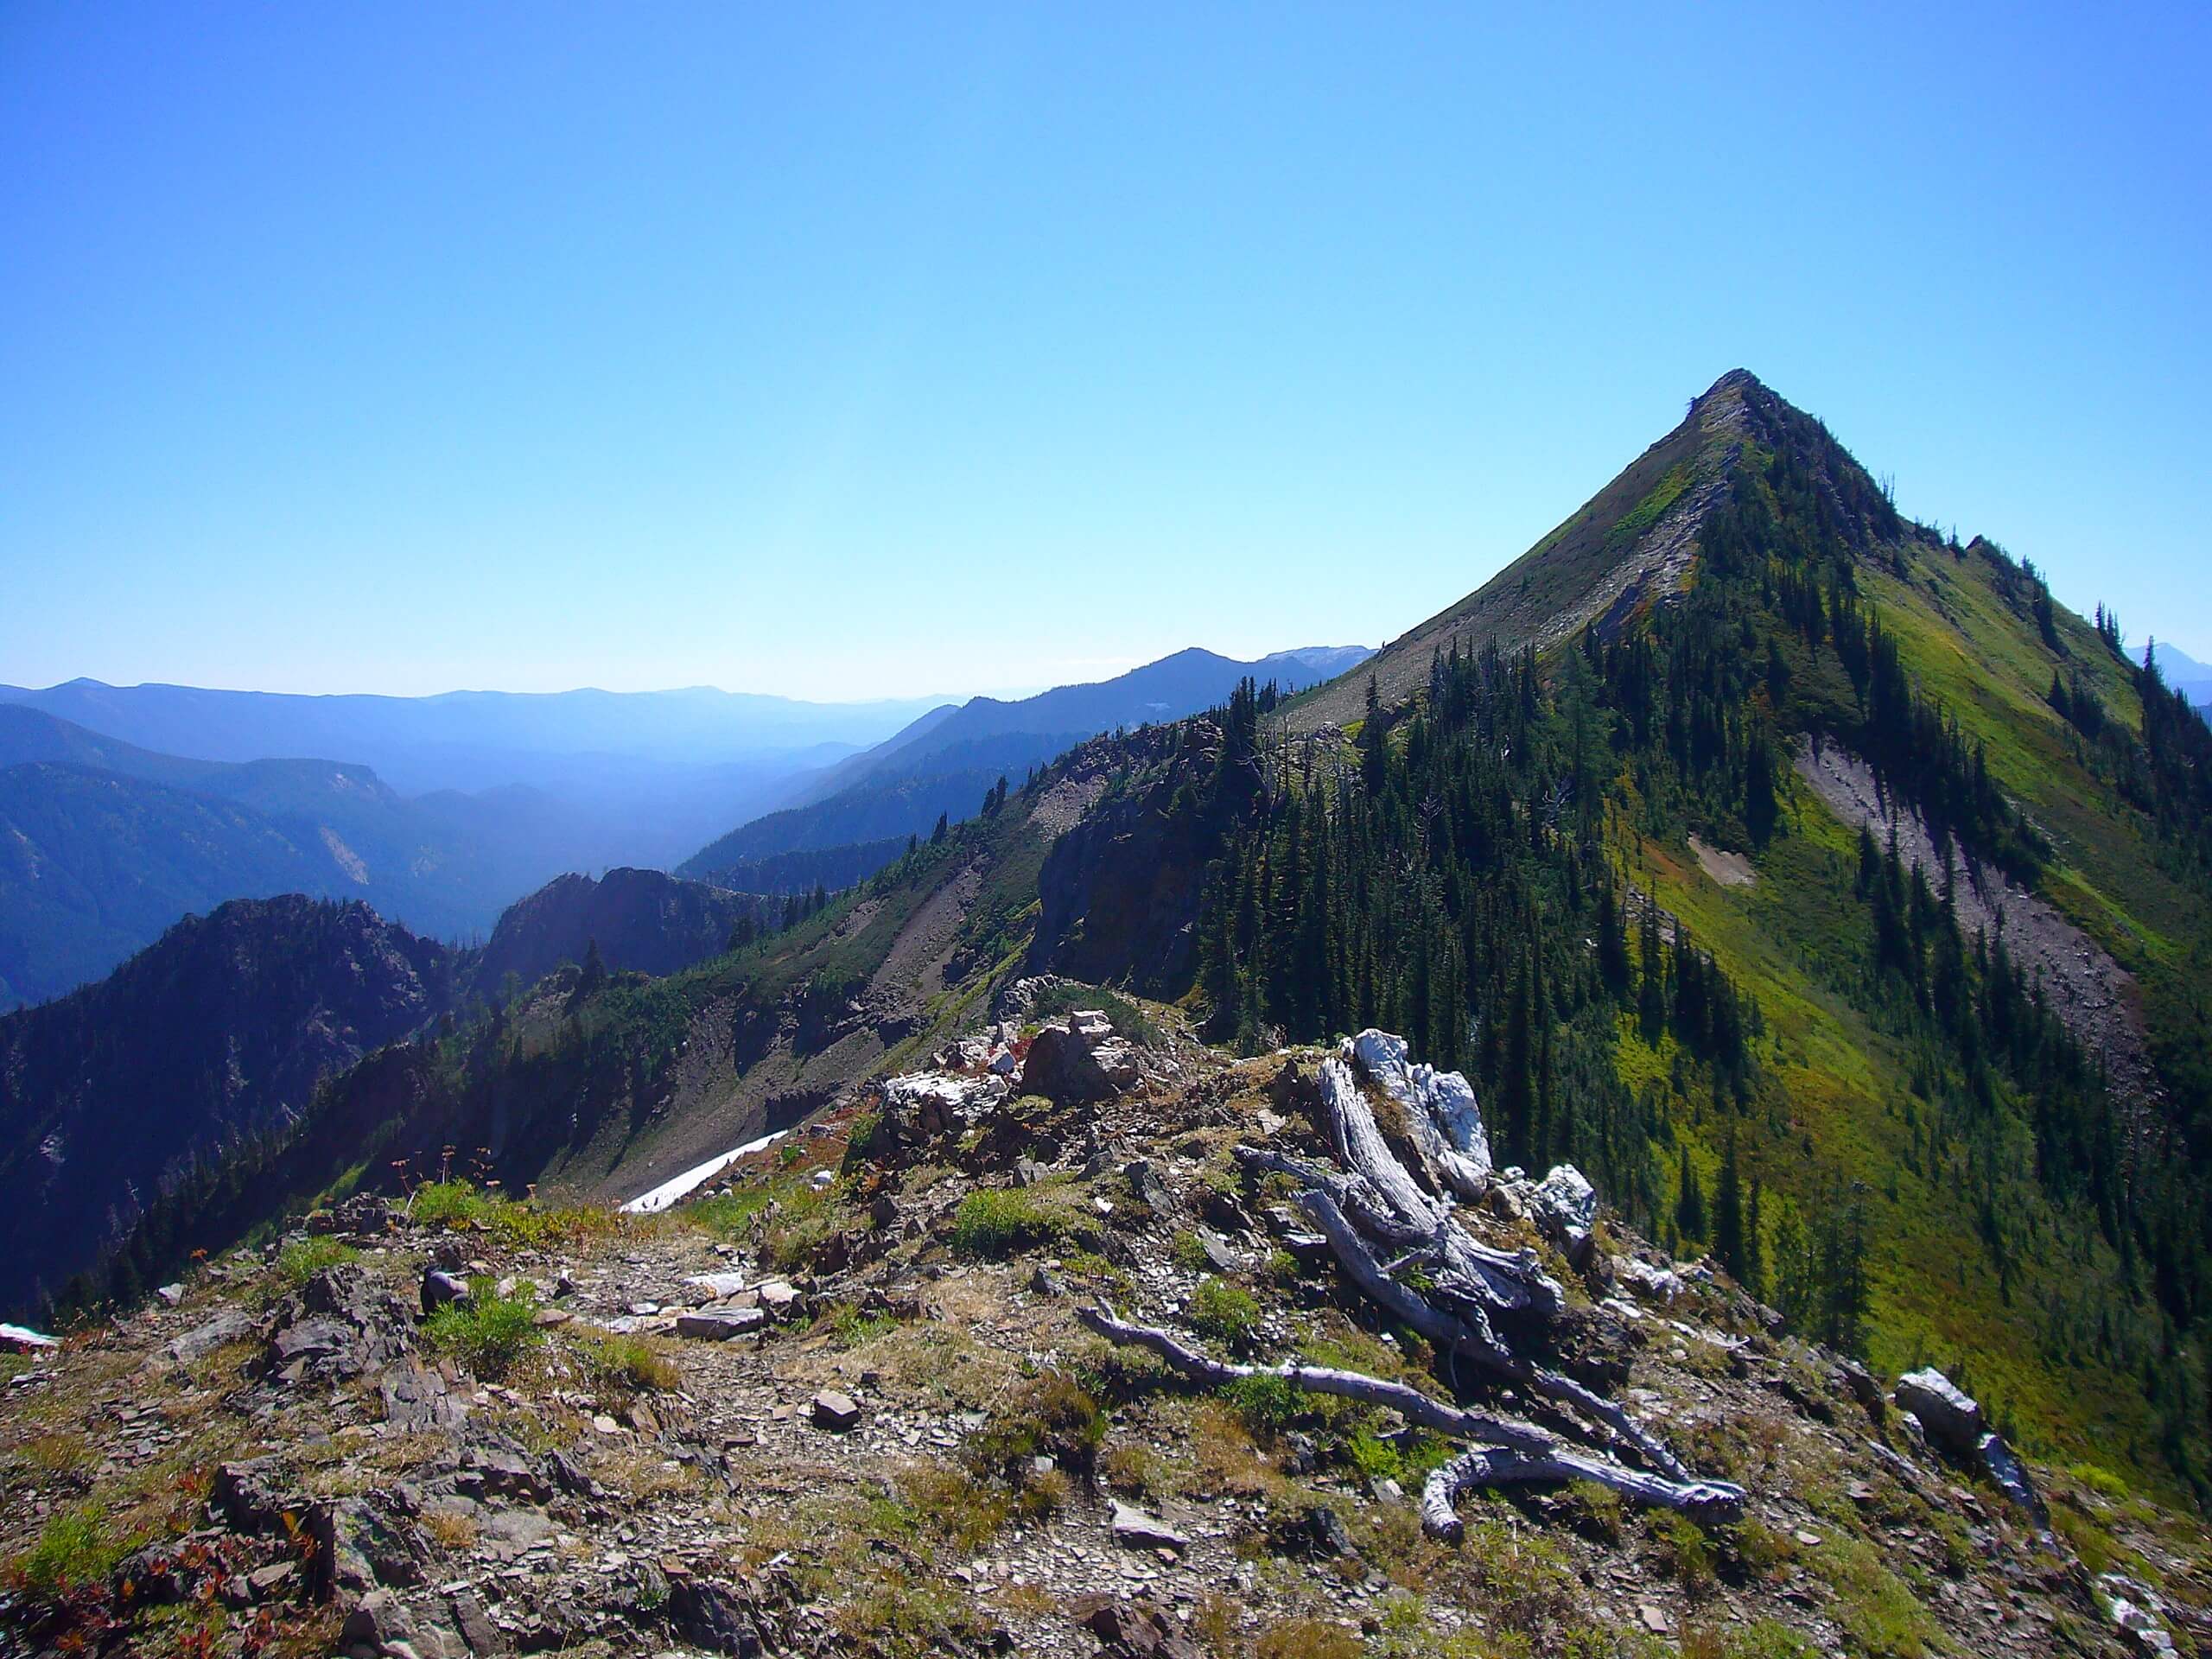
point(1952, 1417)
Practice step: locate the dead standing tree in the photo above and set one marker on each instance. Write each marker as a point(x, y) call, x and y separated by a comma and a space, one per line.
point(1380, 1218)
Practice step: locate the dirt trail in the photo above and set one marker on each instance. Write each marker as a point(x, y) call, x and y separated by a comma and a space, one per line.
point(2090, 992)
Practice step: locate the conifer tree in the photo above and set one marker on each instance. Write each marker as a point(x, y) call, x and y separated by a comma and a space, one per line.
point(1689, 1201)
point(1728, 1212)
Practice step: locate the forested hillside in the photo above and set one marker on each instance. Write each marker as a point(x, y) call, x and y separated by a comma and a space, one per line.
point(219, 1031)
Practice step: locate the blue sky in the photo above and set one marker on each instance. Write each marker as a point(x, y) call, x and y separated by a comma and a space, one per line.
point(855, 352)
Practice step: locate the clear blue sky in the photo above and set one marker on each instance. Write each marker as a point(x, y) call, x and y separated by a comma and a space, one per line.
point(852, 351)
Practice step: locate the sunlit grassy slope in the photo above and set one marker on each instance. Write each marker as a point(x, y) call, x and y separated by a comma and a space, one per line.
point(1798, 938)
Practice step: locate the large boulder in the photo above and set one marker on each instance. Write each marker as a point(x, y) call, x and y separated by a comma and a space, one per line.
point(1061, 1067)
point(1134, 1629)
point(337, 1326)
point(922, 1105)
point(1951, 1417)
point(1135, 1529)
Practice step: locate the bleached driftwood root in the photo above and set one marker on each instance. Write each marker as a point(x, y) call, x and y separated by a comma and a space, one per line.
point(1461, 1265)
point(1468, 1335)
point(1380, 1217)
point(1509, 1451)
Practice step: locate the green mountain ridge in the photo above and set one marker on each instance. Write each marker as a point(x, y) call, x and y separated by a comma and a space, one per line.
point(1564, 846)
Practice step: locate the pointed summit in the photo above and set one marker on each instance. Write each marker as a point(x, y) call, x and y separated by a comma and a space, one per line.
point(1629, 546)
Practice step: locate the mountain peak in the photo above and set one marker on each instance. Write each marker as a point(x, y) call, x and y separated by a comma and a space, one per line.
point(1736, 381)
point(1629, 544)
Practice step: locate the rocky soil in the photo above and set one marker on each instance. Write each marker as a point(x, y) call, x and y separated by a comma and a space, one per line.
point(842, 1403)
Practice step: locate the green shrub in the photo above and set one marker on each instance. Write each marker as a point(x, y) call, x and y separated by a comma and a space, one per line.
point(954, 1504)
point(628, 1363)
point(1307, 1639)
point(73, 1548)
point(298, 1262)
point(1594, 1511)
point(729, 1215)
point(1224, 1312)
point(1129, 1020)
point(458, 1203)
point(1268, 1404)
point(1051, 1415)
point(998, 1222)
point(851, 1327)
point(1189, 1252)
point(1689, 1557)
point(1765, 1640)
point(451, 1203)
point(2103, 1482)
point(1044, 1494)
point(489, 1333)
point(1879, 1615)
point(860, 1137)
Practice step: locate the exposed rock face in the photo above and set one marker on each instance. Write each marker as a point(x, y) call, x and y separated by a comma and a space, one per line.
point(337, 1327)
point(2092, 994)
point(1119, 891)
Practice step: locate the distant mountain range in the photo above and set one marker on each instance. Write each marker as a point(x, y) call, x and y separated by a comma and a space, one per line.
point(472, 740)
point(944, 762)
point(104, 844)
point(627, 777)
point(124, 808)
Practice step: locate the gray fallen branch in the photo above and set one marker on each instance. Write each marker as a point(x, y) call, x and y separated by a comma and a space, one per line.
point(1440, 1160)
point(1516, 1277)
point(1359, 1143)
point(1410, 1403)
point(1493, 1466)
point(1511, 1451)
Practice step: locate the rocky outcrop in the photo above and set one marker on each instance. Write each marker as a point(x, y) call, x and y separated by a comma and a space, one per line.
point(1565, 1206)
point(1119, 892)
point(1078, 1059)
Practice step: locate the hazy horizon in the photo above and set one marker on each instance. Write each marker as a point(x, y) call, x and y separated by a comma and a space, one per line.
point(1102, 669)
